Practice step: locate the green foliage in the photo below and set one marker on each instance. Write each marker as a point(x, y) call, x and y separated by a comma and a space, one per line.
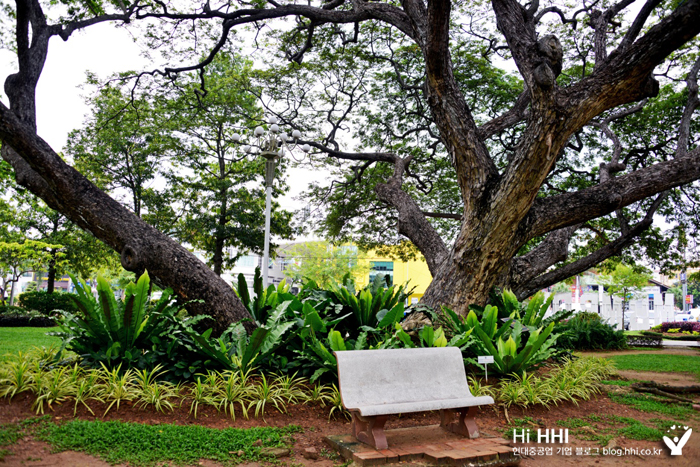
point(369, 305)
point(12, 310)
point(46, 303)
point(17, 258)
point(9, 434)
point(573, 381)
point(523, 342)
point(134, 332)
point(625, 282)
point(647, 403)
point(148, 445)
point(236, 350)
point(586, 331)
point(265, 300)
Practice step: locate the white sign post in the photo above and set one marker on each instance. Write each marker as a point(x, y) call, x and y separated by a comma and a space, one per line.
point(485, 360)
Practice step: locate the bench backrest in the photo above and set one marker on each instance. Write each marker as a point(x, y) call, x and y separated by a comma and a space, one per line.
point(374, 377)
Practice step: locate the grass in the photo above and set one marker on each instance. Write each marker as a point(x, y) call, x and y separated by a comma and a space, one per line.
point(653, 362)
point(648, 404)
point(13, 340)
point(146, 445)
point(602, 429)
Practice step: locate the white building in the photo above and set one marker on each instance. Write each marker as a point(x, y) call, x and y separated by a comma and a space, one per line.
point(646, 309)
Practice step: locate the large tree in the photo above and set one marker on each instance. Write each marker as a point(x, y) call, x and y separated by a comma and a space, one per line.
point(504, 204)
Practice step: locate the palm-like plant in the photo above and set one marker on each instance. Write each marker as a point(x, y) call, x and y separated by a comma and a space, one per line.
point(107, 330)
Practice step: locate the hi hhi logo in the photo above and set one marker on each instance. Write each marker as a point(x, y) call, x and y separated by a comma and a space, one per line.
point(543, 436)
point(677, 445)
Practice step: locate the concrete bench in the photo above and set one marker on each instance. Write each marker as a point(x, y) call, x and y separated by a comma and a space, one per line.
point(375, 384)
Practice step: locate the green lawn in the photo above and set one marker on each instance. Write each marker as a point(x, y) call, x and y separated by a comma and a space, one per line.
point(13, 340)
point(148, 445)
point(658, 362)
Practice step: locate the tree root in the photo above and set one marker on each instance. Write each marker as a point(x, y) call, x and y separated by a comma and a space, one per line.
point(663, 390)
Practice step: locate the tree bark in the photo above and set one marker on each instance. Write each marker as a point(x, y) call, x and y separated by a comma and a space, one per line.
point(38, 168)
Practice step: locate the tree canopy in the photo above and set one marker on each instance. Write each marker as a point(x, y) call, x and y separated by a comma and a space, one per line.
point(494, 176)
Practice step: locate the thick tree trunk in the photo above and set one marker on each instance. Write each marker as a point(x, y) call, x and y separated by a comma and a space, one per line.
point(218, 259)
point(38, 168)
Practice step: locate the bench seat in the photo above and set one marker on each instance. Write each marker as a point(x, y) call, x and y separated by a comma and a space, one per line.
point(423, 406)
point(375, 384)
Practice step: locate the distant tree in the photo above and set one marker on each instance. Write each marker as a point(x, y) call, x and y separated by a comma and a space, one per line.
point(123, 148)
point(625, 282)
point(23, 216)
point(692, 288)
point(323, 263)
point(224, 187)
point(18, 258)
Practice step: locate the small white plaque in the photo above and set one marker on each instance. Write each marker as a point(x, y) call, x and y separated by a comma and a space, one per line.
point(486, 359)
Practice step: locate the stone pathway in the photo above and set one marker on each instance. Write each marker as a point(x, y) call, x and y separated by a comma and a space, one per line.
point(670, 343)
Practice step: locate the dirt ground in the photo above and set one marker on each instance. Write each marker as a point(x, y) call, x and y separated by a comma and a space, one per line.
point(316, 425)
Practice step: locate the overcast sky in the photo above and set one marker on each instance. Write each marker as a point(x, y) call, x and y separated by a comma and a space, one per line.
point(101, 49)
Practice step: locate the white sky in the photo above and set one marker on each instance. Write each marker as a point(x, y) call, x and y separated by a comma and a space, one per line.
point(101, 49)
point(104, 49)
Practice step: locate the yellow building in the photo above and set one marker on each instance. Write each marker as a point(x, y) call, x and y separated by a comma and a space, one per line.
point(413, 272)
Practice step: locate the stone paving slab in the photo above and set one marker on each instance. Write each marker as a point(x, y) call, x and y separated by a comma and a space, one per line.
point(426, 445)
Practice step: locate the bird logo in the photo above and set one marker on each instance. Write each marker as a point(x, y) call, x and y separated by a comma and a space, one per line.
point(676, 445)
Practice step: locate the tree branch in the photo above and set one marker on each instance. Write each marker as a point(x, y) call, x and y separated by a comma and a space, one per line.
point(692, 104)
point(572, 208)
point(506, 120)
point(553, 249)
point(411, 221)
point(611, 249)
point(637, 25)
point(626, 77)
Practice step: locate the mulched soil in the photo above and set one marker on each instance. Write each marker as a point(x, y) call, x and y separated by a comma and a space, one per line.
point(316, 424)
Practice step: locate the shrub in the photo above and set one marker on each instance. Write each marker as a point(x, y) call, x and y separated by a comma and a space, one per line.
point(523, 342)
point(46, 303)
point(12, 310)
point(680, 326)
point(26, 320)
point(586, 331)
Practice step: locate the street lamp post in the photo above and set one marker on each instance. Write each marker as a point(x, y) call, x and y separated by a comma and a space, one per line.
point(270, 147)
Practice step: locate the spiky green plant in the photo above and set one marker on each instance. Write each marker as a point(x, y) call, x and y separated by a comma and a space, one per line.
point(18, 377)
point(233, 391)
point(151, 392)
point(265, 393)
point(115, 387)
point(203, 391)
point(56, 386)
point(320, 394)
point(336, 403)
point(292, 388)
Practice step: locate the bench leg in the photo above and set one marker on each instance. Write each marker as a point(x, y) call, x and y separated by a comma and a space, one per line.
point(465, 425)
point(370, 430)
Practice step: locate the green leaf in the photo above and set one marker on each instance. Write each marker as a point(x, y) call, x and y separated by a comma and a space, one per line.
point(312, 319)
point(335, 341)
point(427, 335)
point(393, 316)
point(253, 348)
